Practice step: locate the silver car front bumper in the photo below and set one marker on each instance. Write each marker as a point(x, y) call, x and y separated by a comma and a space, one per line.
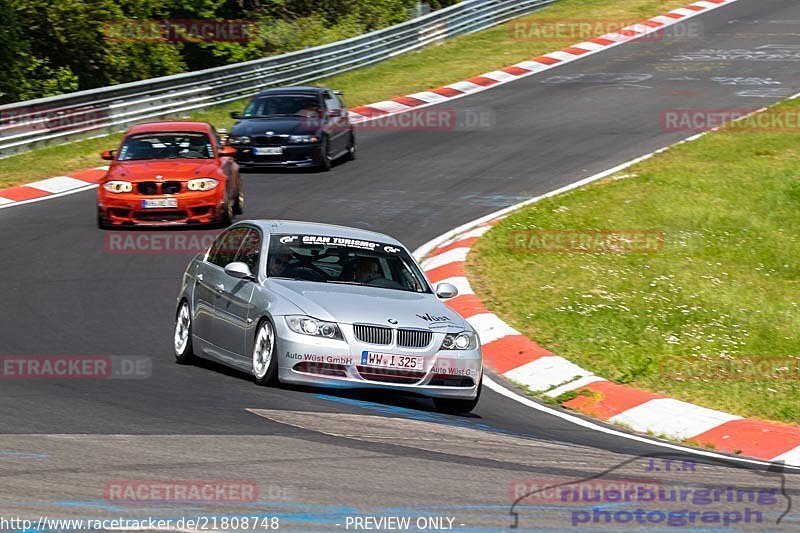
point(316, 361)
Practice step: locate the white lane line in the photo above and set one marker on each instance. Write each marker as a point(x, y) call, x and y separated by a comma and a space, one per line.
point(588, 424)
point(4, 201)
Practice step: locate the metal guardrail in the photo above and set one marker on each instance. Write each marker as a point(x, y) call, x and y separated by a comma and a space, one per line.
point(61, 119)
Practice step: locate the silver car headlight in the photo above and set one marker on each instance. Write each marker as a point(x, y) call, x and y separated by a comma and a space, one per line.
point(118, 186)
point(305, 325)
point(303, 139)
point(239, 140)
point(202, 184)
point(466, 340)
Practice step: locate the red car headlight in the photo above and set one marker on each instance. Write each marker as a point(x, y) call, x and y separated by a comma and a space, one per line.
point(202, 184)
point(118, 186)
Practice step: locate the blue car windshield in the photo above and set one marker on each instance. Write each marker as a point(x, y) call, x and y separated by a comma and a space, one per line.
point(328, 259)
point(307, 106)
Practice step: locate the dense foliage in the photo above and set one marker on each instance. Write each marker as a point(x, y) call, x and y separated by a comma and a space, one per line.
point(48, 48)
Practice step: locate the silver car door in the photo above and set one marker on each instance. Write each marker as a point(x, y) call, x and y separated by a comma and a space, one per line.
point(234, 310)
point(205, 292)
point(224, 254)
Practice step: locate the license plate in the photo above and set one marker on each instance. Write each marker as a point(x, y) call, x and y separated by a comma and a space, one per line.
point(386, 360)
point(159, 203)
point(268, 151)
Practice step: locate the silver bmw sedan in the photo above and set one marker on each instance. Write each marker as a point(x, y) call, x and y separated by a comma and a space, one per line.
point(316, 304)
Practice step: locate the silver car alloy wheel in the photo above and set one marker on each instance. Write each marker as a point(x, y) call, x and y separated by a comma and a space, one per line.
point(262, 351)
point(182, 327)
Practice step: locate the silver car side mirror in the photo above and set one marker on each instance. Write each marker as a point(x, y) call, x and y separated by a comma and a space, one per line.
point(446, 290)
point(239, 270)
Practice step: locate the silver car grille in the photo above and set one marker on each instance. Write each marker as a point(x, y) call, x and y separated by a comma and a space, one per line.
point(406, 338)
point(413, 338)
point(373, 334)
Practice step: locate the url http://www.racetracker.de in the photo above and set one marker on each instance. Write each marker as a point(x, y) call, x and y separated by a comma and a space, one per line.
point(198, 523)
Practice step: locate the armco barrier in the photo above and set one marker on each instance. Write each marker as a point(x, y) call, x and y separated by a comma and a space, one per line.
point(61, 119)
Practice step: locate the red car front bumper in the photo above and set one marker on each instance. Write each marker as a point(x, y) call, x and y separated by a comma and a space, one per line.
point(128, 209)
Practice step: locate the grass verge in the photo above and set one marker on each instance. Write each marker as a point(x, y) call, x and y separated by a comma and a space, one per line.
point(453, 60)
point(710, 316)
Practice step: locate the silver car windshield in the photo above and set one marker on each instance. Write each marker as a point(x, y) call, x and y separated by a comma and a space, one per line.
point(326, 259)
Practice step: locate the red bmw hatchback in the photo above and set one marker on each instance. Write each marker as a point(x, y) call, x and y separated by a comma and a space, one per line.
point(168, 173)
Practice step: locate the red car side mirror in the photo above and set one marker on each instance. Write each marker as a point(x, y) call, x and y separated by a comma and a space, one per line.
point(108, 155)
point(227, 151)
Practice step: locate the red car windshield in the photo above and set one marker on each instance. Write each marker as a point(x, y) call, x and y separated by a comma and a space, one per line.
point(173, 145)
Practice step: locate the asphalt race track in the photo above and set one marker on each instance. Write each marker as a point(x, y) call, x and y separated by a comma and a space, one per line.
point(65, 293)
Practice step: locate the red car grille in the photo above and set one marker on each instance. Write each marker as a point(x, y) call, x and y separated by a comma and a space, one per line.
point(154, 187)
point(160, 216)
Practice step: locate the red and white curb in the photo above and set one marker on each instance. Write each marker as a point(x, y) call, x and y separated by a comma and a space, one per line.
point(51, 187)
point(532, 66)
point(521, 360)
point(87, 179)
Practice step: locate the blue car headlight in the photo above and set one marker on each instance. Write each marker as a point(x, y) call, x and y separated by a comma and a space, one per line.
point(305, 325)
point(303, 139)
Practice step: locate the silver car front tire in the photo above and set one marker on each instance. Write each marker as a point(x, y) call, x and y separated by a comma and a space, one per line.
point(265, 364)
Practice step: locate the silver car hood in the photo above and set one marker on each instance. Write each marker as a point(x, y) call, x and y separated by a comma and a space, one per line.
point(353, 304)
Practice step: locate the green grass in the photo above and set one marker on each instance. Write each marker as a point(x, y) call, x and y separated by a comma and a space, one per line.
point(432, 67)
point(723, 292)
